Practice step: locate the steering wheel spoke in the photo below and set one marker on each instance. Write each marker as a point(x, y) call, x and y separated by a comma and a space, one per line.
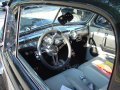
point(55, 34)
point(55, 59)
point(43, 50)
point(61, 46)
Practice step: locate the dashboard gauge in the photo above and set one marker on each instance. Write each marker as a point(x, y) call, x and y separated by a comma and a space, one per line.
point(73, 34)
point(27, 29)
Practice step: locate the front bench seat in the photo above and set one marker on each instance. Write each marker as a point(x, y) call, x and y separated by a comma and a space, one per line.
point(69, 78)
point(72, 78)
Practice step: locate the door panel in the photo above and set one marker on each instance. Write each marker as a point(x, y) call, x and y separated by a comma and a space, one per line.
point(102, 33)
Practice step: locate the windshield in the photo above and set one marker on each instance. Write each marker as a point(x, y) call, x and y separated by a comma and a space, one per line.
point(33, 17)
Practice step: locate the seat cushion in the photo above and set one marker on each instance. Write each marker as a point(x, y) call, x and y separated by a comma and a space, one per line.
point(93, 74)
point(69, 78)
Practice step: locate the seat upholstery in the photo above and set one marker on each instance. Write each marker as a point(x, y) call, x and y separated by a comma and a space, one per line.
point(92, 74)
point(71, 78)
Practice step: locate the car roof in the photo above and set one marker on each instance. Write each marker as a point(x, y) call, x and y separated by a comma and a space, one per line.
point(22, 1)
point(89, 1)
point(49, 0)
point(16, 2)
point(99, 3)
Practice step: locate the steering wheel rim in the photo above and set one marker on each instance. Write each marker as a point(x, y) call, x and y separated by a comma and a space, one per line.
point(40, 52)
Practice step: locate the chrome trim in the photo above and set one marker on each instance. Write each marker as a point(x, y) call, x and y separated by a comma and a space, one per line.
point(17, 32)
point(5, 26)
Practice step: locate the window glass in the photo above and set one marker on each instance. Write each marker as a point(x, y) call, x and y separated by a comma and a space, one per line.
point(87, 41)
point(101, 21)
point(37, 16)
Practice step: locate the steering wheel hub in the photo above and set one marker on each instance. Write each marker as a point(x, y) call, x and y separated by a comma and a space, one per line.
point(52, 50)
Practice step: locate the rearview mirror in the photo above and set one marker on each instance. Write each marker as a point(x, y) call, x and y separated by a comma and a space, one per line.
point(63, 19)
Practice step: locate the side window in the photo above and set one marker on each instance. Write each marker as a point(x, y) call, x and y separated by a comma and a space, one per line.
point(101, 21)
point(2, 18)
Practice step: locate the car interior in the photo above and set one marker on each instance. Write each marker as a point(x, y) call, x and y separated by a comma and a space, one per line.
point(67, 47)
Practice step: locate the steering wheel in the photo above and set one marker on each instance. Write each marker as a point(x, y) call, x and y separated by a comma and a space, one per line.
point(46, 44)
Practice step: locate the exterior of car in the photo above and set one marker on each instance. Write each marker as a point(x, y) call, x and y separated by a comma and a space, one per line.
point(18, 76)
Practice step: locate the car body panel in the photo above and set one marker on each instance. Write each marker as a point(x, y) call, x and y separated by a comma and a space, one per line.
point(102, 8)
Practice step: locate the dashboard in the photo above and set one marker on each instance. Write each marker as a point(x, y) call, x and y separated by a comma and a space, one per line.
point(72, 32)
